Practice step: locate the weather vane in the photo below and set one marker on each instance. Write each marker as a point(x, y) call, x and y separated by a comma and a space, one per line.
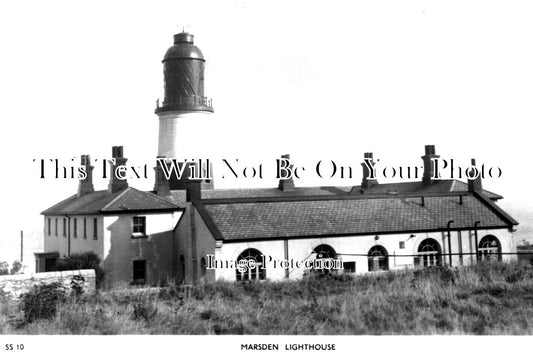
point(183, 27)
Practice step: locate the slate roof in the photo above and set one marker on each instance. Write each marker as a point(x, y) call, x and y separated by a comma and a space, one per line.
point(133, 199)
point(125, 200)
point(270, 213)
point(274, 218)
point(437, 186)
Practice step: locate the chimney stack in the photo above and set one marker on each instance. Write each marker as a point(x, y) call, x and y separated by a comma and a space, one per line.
point(116, 184)
point(162, 185)
point(86, 185)
point(474, 184)
point(429, 165)
point(193, 190)
point(367, 182)
point(286, 184)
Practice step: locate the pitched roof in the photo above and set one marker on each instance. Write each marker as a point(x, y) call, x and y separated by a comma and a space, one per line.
point(436, 186)
point(252, 219)
point(136, 200)
point(125, 200)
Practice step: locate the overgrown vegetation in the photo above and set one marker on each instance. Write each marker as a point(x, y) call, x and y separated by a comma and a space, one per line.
point(86, 260)
point(489, 298)
point(42, 301)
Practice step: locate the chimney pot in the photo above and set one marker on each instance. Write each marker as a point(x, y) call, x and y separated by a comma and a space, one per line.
point(193, 191)
point(474, 184)
point(162, 185)
point(286, 184)
point(429, 164)
point(85, 186)
point(116, 184)
point(367, 182)
point(117, 152)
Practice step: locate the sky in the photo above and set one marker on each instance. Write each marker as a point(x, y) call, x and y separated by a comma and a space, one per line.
point(319, 80)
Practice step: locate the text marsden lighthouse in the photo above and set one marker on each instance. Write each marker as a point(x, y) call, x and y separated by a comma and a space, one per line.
point(185, 110)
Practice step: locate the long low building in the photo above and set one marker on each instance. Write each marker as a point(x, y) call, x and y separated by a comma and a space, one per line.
point(193, 233)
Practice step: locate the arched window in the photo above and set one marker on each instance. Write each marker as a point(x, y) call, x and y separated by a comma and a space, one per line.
point(244, 272)
point(182, 267)
point(429, 253)
point(203, 266)
point(490, 249)
point(378, 259)
point(324, 252)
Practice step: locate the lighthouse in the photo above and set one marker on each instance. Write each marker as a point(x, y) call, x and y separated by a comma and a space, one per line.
point(185, 110)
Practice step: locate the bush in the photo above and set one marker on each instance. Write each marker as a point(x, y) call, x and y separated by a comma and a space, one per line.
point(42, 300)
point(4, 268)
point(86, 260)
point(16, 267)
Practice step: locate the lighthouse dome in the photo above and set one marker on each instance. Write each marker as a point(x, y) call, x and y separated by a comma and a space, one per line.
point(183, 48)
point(183, 69)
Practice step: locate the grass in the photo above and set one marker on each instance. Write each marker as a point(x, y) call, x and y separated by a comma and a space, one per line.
point(489, 298)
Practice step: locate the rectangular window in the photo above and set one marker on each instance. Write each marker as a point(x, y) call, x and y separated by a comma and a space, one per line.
point(64, 227)
point(95, 228)
point(75, 228)
point(49, 227)
point(402, 244)
point(349, 267)
point(139, 272)
point(139, 225)
point(85, 228)
point(56, 227)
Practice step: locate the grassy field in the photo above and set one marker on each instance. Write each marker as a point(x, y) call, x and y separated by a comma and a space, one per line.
point(490, 298)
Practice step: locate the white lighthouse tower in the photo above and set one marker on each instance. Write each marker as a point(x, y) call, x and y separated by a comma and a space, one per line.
point(184, 111)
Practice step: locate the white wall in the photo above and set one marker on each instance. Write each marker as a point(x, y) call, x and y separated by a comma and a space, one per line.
point(356, 248)
point(79, 242)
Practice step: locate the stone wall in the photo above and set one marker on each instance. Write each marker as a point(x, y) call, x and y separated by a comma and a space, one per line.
point(15, 285)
